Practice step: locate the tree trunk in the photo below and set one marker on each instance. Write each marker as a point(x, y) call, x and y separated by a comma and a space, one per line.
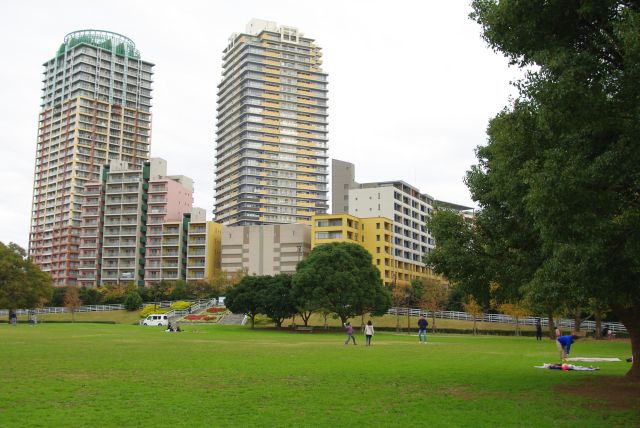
point(475, 330)
point(343, 319)
point(577, 319)
point(630, 317)
point(433, 321)
point(252, 318)
point(326, 324)
point(73, 316)
point(551, 325)
point(305, 317)
point(598, 317)
point(397, 320)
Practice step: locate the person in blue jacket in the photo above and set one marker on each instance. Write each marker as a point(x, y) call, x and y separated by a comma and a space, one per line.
point(564, 345)
point(422, 329)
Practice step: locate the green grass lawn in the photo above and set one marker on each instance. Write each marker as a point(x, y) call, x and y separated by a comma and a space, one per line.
point(123, 375)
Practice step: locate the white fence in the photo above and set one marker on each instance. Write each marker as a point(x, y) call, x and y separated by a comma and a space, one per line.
point(59, 310)
point(95, 308)
point(198, 305)
point(506, 319)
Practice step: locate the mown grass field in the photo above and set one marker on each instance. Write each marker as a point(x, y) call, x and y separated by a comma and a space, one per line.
point(123, 375)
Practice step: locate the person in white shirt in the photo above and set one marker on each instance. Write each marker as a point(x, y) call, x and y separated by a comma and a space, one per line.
point(368, 332)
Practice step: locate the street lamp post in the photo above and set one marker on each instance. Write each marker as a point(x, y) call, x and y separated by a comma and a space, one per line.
point(395, 290)
point(408, 313)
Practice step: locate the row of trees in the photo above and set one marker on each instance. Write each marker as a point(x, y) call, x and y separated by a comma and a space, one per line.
point(336, 278)
point(558, 180)
point(24, 286)
point(163, 290)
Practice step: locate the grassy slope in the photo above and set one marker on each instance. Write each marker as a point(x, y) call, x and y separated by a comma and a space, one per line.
point(108, 375)
point(120, 317)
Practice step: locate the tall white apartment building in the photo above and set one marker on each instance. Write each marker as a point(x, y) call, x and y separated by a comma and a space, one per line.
point(96, 101)
point(271, 153)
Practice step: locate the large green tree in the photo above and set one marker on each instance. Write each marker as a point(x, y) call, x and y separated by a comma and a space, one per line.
point(558, 182)
point(340, 278)
point(278, 300)
point(22, 284)
point(248, 296)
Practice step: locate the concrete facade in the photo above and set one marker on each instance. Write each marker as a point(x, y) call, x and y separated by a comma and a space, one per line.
point(406, 207)
point(373, 233)
point(119, 240)
point(264, 249)
point(204, 247)
point(95, 107)
point(271, 151)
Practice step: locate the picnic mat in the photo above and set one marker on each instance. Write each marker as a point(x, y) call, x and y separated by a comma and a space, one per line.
point(569, 367)
point(593, 360)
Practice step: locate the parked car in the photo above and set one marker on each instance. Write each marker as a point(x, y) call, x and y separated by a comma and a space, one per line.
point(156, 319)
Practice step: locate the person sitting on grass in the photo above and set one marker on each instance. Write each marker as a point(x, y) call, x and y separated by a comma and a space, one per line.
point(564, 345)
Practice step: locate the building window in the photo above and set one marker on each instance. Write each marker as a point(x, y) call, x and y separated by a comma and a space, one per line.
point(328, 235)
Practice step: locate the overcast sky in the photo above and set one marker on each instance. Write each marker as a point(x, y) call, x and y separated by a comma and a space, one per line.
point(411, 85)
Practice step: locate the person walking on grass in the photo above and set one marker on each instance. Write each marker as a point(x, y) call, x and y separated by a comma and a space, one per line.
point(422, 329)
point(349, 330)
point(564, 345)
point(538, 330)
point(368, 333)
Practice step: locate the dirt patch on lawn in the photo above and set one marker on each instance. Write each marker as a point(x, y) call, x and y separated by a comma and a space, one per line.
point(606, 391)
point(458, 391)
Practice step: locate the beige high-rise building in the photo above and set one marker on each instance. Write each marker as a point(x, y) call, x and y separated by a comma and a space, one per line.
point(271, 153)
point(96, 101)
point(264, 249)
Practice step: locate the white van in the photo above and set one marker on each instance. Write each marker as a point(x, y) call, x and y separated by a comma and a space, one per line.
point(156, 319)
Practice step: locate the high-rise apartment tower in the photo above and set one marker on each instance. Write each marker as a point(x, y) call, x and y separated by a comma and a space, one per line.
point(271, 154)
point(96, 101)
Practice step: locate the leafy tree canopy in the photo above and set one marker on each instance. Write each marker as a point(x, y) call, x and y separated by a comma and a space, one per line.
point(278, 300)
point(248, 296)
point(558, 181)
point(340, 278)
point(22, 284)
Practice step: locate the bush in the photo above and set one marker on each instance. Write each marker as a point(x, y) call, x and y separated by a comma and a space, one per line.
point(180, 305)
point(90, 295)
point(148, 310)
point(57, 299)
point(132, 301)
